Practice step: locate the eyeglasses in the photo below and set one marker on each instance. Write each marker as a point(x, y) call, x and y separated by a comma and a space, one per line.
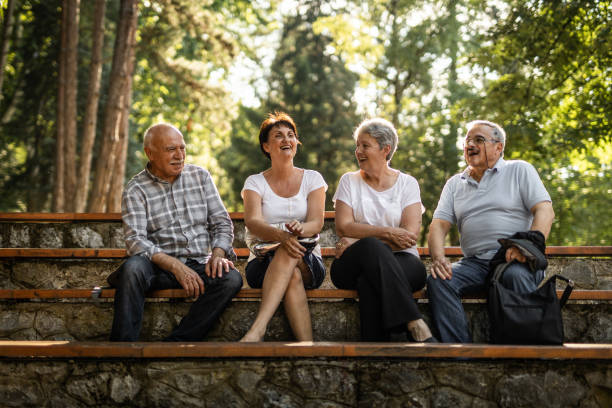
point(478, 141)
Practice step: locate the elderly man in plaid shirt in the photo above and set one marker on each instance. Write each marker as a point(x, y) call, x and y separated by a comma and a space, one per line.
point(178, 235)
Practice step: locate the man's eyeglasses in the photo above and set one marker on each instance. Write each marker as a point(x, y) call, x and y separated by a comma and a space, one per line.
point(478, 141)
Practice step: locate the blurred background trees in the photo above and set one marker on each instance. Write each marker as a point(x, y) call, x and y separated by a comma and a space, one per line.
point(81, 81)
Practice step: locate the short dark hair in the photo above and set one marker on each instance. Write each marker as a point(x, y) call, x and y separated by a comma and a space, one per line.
point(274, 119)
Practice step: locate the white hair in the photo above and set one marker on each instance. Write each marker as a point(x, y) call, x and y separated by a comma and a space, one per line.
point(382, 131)
point(498, 132)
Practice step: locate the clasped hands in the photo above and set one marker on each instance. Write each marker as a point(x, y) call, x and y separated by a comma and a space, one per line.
point(290, 242)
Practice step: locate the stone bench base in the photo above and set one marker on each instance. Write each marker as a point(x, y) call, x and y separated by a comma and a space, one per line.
point(307, 381)
point(332, 320)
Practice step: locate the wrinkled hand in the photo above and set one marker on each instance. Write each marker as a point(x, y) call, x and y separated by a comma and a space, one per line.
point(295, 227)
point(441, 268)
point(342, 244)
point(216, 265)
point(401, 238)
point(189, 280)
point(513, 254)
point(292, 246)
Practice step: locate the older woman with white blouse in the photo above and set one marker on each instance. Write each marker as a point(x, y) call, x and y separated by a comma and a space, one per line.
point(378, 217)
point(283, 204)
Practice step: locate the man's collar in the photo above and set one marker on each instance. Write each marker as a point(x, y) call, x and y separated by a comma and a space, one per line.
point(153, 176)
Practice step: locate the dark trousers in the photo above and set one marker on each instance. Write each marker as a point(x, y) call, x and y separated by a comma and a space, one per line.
point(385, 281)
point(137, 275)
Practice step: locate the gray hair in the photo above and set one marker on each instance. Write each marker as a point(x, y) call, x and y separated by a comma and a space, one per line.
point(153, 129)
point(498, 132)
point(382, 131)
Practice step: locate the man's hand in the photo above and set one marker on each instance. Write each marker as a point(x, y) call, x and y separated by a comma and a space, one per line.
point(189, 280)
point(513, 254)
point(217, 264)
point(342, 244)
point(401, 238)
point(441, 268)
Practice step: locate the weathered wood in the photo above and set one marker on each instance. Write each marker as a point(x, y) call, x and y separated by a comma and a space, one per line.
point(148, 350)
point(14, 294)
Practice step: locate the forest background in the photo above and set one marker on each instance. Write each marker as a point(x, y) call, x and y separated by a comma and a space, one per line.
point(81, 81)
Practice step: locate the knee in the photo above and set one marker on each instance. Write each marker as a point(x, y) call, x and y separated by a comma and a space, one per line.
point(436, 285)
point(233, 280)
point(133, 272)
point(518, 276)
point(296, 279)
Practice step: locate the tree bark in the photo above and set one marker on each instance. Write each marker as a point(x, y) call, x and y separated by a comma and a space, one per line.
point(58, 185)
point(91, 111)
point(105, 165)
point(7, 29)
point(70, 110)
point(121, 148)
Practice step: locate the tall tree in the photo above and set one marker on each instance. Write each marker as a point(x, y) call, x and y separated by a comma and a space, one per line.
point(70, 100)
point(106, 162)
point(90, 118)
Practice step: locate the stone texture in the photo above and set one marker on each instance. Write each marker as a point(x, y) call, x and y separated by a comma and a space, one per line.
point(333, 320)
point(82, 236)
point(298, 382)
point(19, 236)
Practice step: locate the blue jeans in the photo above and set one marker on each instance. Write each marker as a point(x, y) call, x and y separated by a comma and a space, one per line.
point(470, 277)
point(138, 275)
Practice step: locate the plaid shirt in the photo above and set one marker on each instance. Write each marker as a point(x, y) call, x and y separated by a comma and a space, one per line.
point(184, 219)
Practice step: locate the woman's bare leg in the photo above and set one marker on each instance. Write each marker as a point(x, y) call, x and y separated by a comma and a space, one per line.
point(274, 286)
point(296, 307)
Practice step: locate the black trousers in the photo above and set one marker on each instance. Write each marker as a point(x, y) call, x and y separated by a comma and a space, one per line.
point(137, 275)
point(385, 281)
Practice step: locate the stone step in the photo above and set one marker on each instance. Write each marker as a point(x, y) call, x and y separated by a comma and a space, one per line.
point(49, 374)
point(334, 319)
point(86, 268)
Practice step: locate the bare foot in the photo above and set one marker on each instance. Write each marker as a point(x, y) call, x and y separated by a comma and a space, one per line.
point(419, 330)
point(252, 337)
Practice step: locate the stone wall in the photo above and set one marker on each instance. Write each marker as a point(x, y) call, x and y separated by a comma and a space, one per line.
point(333, 320)
point(322, 382)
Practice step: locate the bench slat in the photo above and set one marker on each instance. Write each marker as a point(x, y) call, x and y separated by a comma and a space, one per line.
point(244, 252)
point(92, 217)
point(150, 350)
point(14, 294)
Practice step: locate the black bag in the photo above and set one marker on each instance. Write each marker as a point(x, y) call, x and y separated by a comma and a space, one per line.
point(527, 318)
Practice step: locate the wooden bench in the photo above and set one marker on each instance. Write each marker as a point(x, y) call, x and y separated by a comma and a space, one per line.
point(216, 350)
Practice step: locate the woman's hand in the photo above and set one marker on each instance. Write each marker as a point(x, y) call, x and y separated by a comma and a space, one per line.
point(295, 227)
point(342, 244)
point(292, 246)
point(401, 238)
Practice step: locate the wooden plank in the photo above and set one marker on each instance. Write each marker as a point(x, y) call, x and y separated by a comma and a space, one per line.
point(244, 252)
point(85, 217)
point(157, 350)
point(247, 293)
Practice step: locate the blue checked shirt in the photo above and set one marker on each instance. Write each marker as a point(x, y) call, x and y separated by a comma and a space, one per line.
point(184, 219)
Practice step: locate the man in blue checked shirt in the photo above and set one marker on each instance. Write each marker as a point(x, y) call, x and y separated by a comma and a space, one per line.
point(178, 235)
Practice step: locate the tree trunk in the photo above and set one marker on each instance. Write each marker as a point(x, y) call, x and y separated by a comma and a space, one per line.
point(105, 165)
point(7, 29)
point(58, 187)
point(121, 148)
point(70, 110)
point(91, 110)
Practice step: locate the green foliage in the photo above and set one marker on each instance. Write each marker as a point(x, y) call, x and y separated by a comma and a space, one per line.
point(316, 89)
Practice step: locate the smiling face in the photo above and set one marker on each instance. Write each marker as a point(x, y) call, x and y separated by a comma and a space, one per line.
point(166, 152)
point(369, 154)
point(282, 142)
point(481, 150)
